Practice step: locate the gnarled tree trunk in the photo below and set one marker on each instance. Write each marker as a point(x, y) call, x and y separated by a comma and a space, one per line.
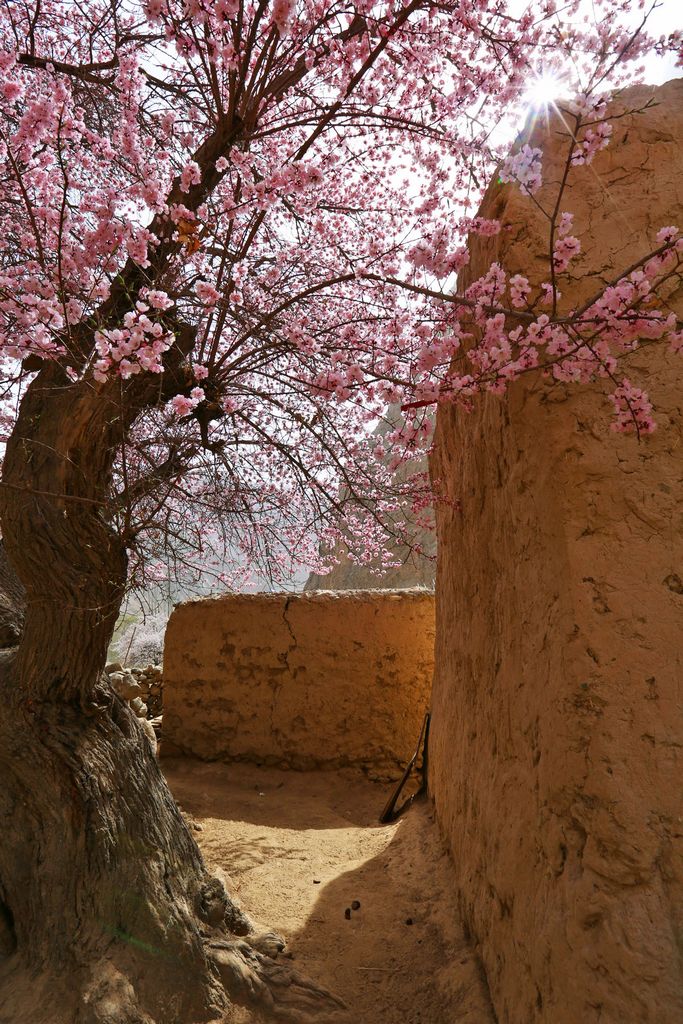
point(107, 913)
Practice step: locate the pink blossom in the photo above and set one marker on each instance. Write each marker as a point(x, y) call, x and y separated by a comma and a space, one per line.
point(159, 299)
point(565, 224)
point(676, 340)
point(191, 175)
point(666, 235)
point(282, 15)
point(565, 250)
point(594, 140)
point(207, 294)
point(547, 294)
point(154, 10)
point(12, 90)
point(523, 167)
point(182, 405)
point(520, 289)
point(484, 226)
point(632, 409)
point(226, 8)
point(589, 105)
point(128, 369)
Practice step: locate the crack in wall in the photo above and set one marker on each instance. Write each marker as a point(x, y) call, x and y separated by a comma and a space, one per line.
point(293, 645)
point(284, 657)
point(333, 680)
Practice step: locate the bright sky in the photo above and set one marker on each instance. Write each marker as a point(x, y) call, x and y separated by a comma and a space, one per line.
point(667, 17)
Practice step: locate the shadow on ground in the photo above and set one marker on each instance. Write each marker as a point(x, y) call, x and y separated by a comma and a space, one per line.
point(276, 798)
point(300, 849)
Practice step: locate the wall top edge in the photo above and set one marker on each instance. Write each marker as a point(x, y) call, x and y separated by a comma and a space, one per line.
point(318, 596)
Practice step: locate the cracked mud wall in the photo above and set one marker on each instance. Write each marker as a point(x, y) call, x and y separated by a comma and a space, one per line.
point(324, 680)
point(556, 750)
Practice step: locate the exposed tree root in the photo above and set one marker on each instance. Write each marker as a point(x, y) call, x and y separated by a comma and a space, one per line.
point(108, 914)
point(245, 973)
point(274, 989)
point(111, 999)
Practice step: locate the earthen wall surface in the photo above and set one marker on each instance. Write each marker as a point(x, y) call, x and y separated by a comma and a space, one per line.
point(307, 680)
point(556, 757)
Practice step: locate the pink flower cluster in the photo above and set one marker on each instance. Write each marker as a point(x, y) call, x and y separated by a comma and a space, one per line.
point(339, 383)
point(571, 349)
point(632, 409)
point(480, 226)
point(439, 351)
point(33, 316)
point(593, 141)
point(565, 250)
point(282, 15)
point(294, 180)
point(524, 168)
point(139, 344)
point(437, 256)
point(182, 405)
point(488, 290)
point(208, 295)
point(520, 290)
point(191, 175)
point(589, 105)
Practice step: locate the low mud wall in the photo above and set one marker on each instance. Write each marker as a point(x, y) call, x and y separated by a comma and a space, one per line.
point(556, 752)
point(321, 680)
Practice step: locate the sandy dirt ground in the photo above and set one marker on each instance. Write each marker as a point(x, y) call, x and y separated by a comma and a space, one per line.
point(301, 848)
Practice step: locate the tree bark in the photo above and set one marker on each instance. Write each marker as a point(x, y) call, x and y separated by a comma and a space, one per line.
point(12, 603)
point(107, 912)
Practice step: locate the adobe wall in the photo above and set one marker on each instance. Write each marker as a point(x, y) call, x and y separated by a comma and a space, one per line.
point(556, 754)
point(322, 680)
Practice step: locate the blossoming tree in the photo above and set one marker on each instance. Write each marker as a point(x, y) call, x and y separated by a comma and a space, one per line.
point(231, 233)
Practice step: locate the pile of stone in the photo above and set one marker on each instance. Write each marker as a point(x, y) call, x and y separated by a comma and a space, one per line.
point(143, 689)
point(151, 680)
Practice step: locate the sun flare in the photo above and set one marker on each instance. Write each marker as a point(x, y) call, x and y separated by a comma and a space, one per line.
point(542, 90)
